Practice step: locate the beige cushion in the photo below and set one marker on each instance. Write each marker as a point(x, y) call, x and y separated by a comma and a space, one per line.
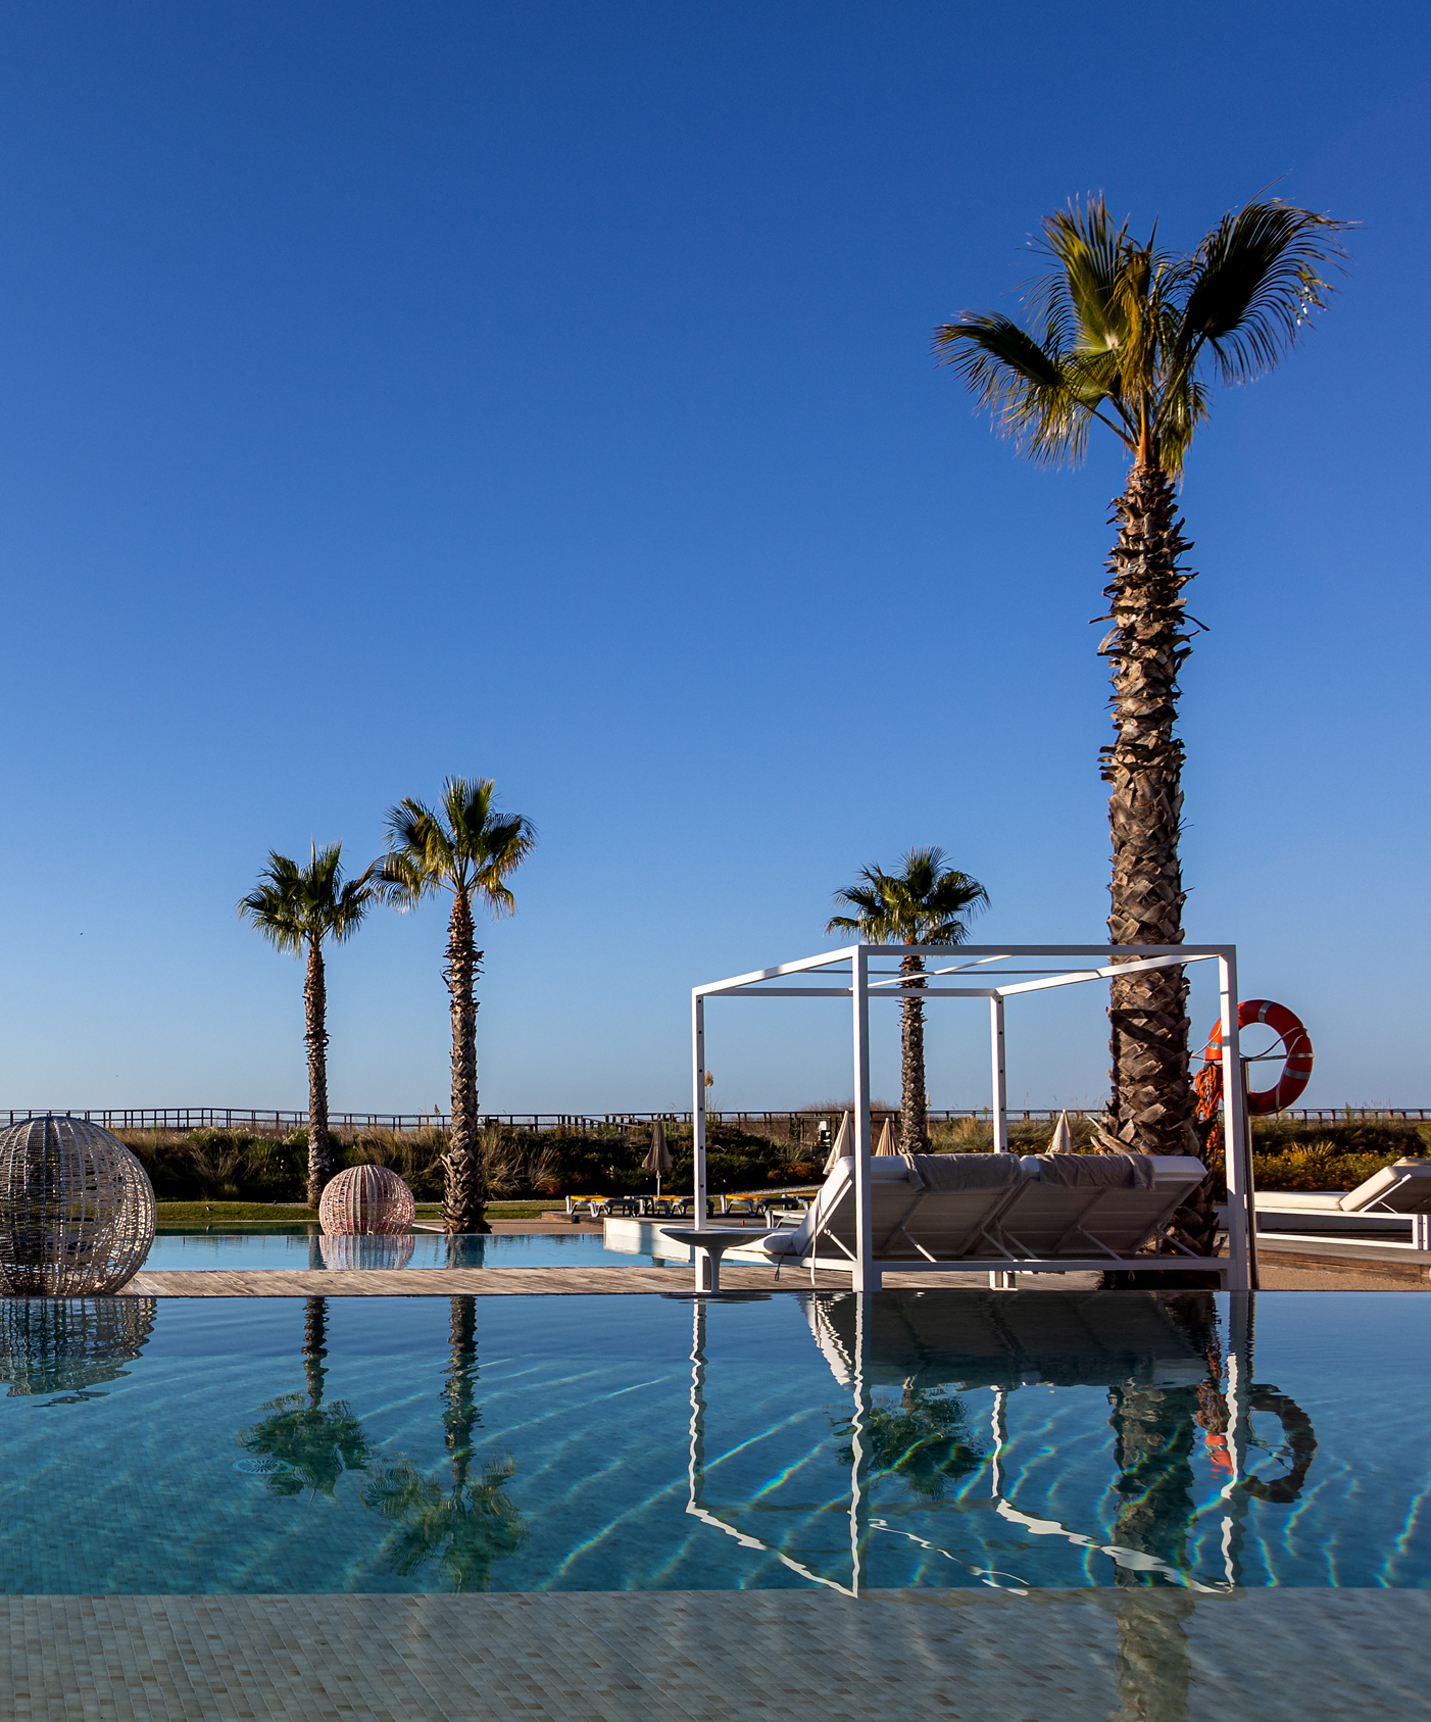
point(1405, 1188)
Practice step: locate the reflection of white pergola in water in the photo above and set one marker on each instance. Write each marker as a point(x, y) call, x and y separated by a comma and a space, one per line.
point(862, 973)
point(854, 1362)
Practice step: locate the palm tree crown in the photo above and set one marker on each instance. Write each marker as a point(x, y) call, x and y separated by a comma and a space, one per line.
point(922, 904)
point(463, 846)
point(1128, 333)
point(292, 905)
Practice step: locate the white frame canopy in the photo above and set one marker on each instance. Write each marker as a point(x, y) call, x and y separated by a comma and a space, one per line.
point(854, 972)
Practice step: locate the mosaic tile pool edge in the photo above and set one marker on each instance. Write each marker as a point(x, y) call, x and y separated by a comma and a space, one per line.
point(1057, 1656)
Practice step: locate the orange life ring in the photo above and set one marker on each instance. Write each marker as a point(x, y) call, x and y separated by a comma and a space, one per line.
point(1296, 1072)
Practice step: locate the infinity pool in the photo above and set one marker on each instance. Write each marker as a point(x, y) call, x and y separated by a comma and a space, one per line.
point(302, 1248)
point(940, 1439)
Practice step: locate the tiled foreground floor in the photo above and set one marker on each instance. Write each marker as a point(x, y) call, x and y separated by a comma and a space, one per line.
point(1054, 1656)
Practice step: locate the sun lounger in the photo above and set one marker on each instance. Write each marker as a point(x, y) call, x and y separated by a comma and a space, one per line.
point(929, 1207)
point(1095, 1204)
point(1387, 1202)
point(994, 1211)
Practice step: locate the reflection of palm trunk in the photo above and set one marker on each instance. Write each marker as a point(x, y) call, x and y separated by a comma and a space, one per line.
point(1155, 1428)
point(460, 1417)
point(1154, 1668)
point(315, 1347)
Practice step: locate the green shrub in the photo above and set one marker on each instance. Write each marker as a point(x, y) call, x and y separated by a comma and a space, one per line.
point(1318, 1166)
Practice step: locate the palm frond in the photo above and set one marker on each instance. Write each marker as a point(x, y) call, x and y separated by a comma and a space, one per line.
point(1257, 280)
point(506, 844)
point(1022, 383)
point(1080, 299)
point(419, 858)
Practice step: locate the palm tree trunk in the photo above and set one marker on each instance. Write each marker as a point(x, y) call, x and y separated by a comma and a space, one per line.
point(1151, 1107)
point(913, 1114)
point(315, 1005)
point(465, 1196)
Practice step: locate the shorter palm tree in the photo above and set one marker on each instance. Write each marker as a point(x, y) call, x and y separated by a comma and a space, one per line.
point(919, 905)
point(296, 908)
point(465, 847)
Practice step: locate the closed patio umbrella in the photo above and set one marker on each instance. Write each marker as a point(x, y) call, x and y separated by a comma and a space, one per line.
point(1062, 1142)
point(843, 1147)
point(658, 1160)
point(886, 1141)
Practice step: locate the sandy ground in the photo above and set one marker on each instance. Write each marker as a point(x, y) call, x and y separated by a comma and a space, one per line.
point(1275, 1277)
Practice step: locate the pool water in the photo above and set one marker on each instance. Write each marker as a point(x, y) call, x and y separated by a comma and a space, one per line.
point(939, 1439)
point(306, 1248)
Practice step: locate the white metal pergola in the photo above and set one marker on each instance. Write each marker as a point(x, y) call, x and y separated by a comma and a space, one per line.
point(862, 973)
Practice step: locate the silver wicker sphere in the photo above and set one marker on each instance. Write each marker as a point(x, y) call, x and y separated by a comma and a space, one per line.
point(76, 1209)
point(367, 1249)
point(366, 1199)
point(70, 1345)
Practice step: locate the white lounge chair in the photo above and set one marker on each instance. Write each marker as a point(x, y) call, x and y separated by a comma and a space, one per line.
point(1084, 1204)
point(1386, 1204)
point(991, 1211)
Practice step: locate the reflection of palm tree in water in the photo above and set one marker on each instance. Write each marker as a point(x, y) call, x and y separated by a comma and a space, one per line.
point(469, 1527)
point(1156, 1429)
point(925, 1441)
point(317, 1442)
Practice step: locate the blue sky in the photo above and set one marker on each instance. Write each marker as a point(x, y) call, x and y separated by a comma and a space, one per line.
point(544, 393)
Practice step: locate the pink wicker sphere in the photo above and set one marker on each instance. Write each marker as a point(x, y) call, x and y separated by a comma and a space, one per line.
point(365, 1200)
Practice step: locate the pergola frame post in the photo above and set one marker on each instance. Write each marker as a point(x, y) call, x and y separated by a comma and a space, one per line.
point(866, 1275)
point(966, 962)
point(996, 1048)
point(698, 1122)
point(1241, 1221)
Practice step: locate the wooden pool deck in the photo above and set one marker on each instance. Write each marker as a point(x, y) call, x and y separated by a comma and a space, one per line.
point(514, 1282)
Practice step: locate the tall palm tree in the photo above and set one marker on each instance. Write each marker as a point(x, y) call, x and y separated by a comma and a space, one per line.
point(297, 908)
point(1130, 335)
point(919, 905)
point(465, 847)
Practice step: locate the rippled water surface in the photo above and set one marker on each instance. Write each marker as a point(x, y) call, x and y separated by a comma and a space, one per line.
point(304, 1248)
point(1020, 1440)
